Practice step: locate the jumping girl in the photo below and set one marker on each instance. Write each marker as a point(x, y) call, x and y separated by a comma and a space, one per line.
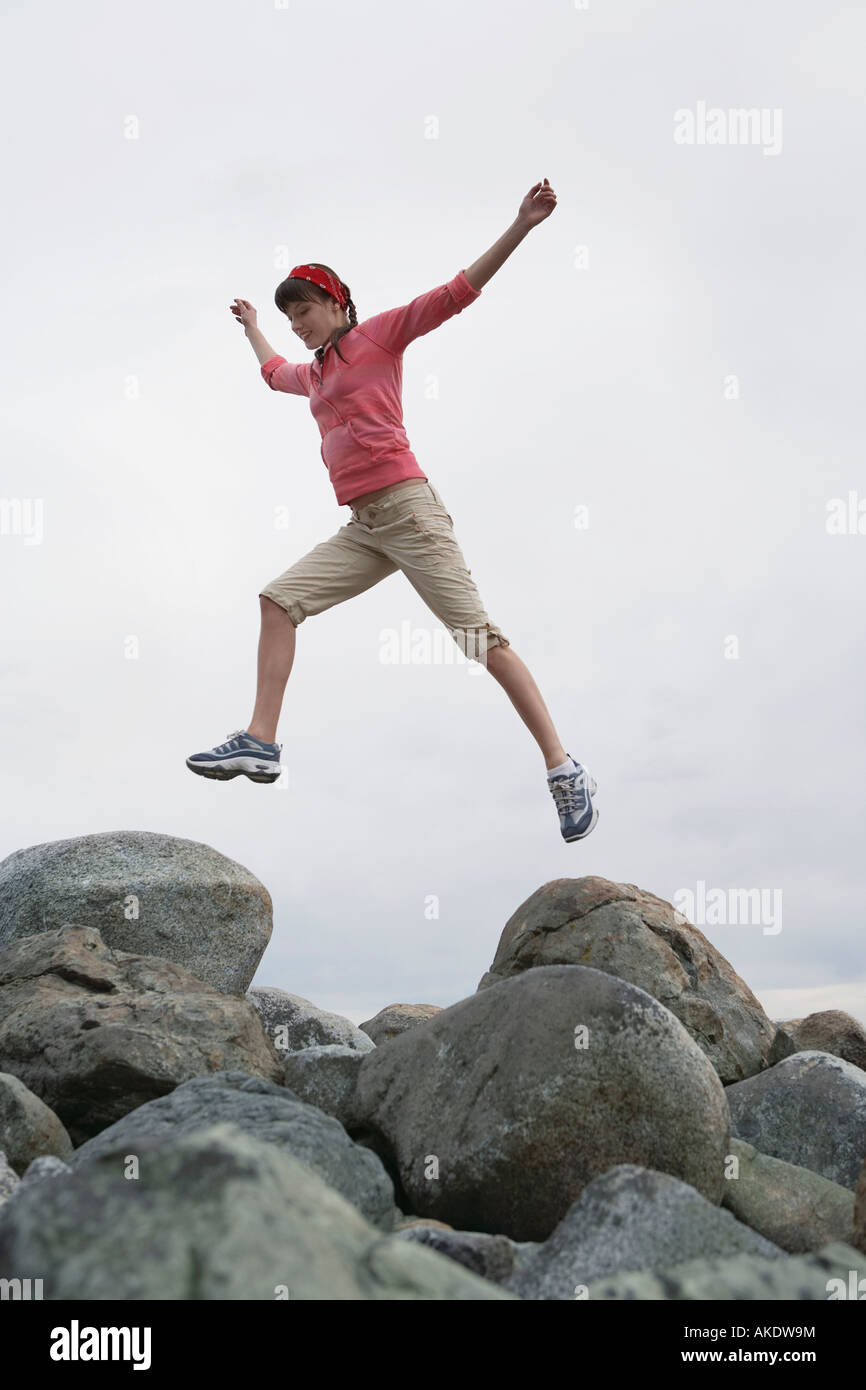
point(398, 519)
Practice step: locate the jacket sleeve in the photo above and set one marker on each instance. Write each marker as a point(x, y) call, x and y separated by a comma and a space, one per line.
point(281, 375)
point(396, 328)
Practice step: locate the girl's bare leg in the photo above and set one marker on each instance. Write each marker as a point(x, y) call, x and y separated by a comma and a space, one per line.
point(276, 655)
point(506, 667)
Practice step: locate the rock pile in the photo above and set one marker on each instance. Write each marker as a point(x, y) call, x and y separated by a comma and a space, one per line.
point(610, 1115)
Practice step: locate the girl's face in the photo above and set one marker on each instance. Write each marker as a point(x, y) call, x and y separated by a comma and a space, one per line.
point(314, 322)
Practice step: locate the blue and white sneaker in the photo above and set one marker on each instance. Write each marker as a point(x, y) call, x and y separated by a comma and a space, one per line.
point(242, 755)
point(573, 793)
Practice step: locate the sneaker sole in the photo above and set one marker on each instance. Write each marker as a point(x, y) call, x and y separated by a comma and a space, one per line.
point(225, 774)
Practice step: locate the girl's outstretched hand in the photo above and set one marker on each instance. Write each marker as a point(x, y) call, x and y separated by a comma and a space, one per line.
point(244, 313)
point(538, 204)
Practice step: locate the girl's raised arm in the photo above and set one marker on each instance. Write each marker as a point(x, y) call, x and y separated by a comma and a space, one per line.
point(248, 319)
point(395, 329)
point(538, 204)
point(279, 374)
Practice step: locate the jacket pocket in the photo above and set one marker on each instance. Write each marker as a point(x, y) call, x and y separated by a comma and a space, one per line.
point(357, 440)
point(342, 448)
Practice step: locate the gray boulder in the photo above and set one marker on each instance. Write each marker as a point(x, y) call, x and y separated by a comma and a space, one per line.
point(810, 1110)
point(215, 1215)
point(396, 1019)
point(96, 1032)
point(792, 1206)
point(631, 1218)
point(27, 1127)
point(269, 1113)
point(146, 893)
point(325, 1076)
point(495, 1114)
point(629, 933)
point(827, 1274)
point(833, 1031)
point(293, 1023)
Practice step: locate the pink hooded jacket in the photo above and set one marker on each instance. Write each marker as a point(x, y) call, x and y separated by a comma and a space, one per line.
point(358, 404)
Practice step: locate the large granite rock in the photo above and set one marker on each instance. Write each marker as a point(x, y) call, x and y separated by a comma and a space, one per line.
point(631, 1218)
point(809, 1110)
point(293, 1023)
point(792, 1206)
point(215, 1215)
point(325, 1076)
point(395, 1019)
point(831, 1030)
point(640, 938)
point(96, 1032)
point(146, 893)
point(267, 1112)
point(496, 1113)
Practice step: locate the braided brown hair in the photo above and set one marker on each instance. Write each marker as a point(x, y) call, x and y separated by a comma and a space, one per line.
point(294, 289)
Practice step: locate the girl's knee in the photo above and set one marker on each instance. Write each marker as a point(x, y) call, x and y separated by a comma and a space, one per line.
point(269, 605)
point(496, 644)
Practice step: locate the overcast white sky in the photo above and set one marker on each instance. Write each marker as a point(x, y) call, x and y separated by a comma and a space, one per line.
point(591, 373)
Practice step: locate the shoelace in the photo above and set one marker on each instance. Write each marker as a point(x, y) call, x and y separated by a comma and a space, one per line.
point(237, 735)
point(569, 793)
point(226, 747)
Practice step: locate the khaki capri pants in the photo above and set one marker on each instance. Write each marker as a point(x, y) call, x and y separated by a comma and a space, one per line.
point(407, 530)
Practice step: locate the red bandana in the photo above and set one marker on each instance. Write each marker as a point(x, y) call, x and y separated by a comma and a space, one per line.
point(322, 279)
